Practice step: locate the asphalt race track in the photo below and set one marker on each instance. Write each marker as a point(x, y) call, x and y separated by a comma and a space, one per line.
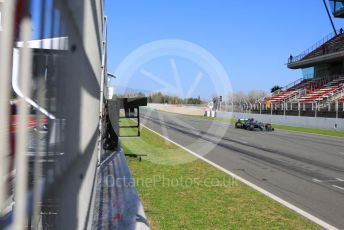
point(303, 169)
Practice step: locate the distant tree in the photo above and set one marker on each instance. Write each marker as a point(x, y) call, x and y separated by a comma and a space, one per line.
point(140, 94)
point(193, 101)
point(157, 98)
point(255, 95)
point(275, 88)
point(239, 97)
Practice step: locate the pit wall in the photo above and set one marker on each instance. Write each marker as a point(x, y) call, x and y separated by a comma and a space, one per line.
point(308, 122)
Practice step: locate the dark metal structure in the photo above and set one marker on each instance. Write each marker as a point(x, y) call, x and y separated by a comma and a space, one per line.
point(112, 118)
point(330, 18)
point(337, 7)
point(131, 107)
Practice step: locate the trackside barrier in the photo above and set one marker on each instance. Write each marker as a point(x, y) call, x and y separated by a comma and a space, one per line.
point(308, 122)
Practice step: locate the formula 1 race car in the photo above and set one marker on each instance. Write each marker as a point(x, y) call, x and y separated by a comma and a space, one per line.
point(251, 124)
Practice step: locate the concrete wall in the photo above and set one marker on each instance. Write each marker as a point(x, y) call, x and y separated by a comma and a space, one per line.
point(181, 109)
point(309, 122)
point(77, 90)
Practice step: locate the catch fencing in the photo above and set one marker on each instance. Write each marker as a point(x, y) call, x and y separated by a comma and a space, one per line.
point(52, 68)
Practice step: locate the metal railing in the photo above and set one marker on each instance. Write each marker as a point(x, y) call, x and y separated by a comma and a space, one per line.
point(294, 97)
point(335, 96)
point(315, 46)
point(292, 108)
point(298, 81)
point(103, 85)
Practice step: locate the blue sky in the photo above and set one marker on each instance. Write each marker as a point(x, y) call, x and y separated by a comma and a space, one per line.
point(251, 39)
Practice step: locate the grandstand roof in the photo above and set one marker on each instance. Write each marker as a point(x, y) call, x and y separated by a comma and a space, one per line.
point(337, 7)
point(329, 51)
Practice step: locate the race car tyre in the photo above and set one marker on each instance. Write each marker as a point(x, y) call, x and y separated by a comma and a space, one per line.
point(268, 127)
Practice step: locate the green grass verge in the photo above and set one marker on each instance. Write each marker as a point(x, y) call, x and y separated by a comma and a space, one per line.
point(127, 131)
point(326, 132)
point(310, 130)
point(179, 191)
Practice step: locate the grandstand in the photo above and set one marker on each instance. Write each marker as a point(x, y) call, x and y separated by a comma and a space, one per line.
point(309, 90)
point(318, 94)
point(324, 93)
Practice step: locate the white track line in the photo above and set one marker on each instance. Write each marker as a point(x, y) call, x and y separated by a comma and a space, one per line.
point(240, 141)
point(259, 189)
point(341, 180)
point(338, 187)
